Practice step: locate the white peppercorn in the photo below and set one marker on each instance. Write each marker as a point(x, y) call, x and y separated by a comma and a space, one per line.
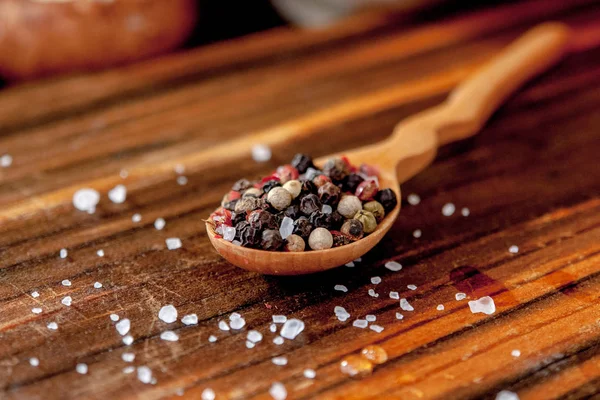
point(349, 206)
point(367, 219)
point(294, 187)
point(320, 239)
point(294, 243)
point(252, 192)
point(279, 198)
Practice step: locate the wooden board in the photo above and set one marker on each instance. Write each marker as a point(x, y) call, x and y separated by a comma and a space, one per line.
point(530, 179)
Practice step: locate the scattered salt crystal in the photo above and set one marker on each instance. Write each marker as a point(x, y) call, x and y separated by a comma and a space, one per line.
point(465, 212)
point(279, 319)
point(173, 243)
point(359, 259)
point(52, 326)
point(182, 180)
point(412, 287)
point(118, 194)
point(66, 282)
point(417, 233)
point(326, 209)
point(128, 357)
point(100, 253)
point(278, 391)
point(169, 336)
point(237, 323)
point(394, 295)
point(144, 374)
point(250, 345)
point(375, 280)
point(507, 395)
point(261, 153)
point(179, 169)
point(234, 315)
point(309, 373)
point(291, 328)
point(127, 340)
point(97, 285)
point(36, 310)
point(273, 328)
point(208, 394)
point(136, 217)
point(128, 369)
point(212, 338)
point(229, 233)
point(67, 300)
point(376, 328)
point(372, 293)
point(405, 305)
point(254, 336)
point(168, 314)
point(399, 316)
point(279, 360)
point(35, 294)
point(114, 317)
point(360, 323)
point(483, 305)
point(340, 288)
point(515, 353)
point(34, 361)
point(448, 209)
point(440, 307)
point(123, 326)
point(159, 223)
point(350, 264)
point(513, 249)
point(190, 319)
point(413, 199)
point(123, 173)
point(86, 200)
point(81, 368)
point(236, 243)
point(393, 266)
point(278, 340)
point(460, 296)
point(63, 253)
point(370, 317)
point(341, 313)
point(6, 160)
point(286, 228)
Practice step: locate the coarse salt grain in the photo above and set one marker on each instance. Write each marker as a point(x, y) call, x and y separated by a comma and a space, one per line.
point(128, 357)
point(223, 326)
point(212, 338)
point(507, 395)
point(52, 326)
point(399, 316)
point(100, 253)
point(371, 317)
point(123, 326)
point(460, 296)
point(63, 253)
point(234, 315)
point(309, 373)
point(372, 293)
point(375, 280)
point(67, 300)
point(405, 305)
point(254, 336)
point(66, 282)
point(34, 361)
point(513, 249)
point(129, 369)
point(279, 319)
point(273, 328)
point(350, 264)
point(136, 217)
point(97, 285)
point(159, 223)
point(35, 294)
point(250, 345)
point(36, 310)
point(448, 209)
point(229, 233)
point(168, 314)
point(412, 287)
point(237, 323)
point(341, 313)
point(417, 233)
point(118, 194)
point(413, 199)
point(278, 391)
point(278, 340)
point(465, 212)
point(376, 328)
point(393, 266)
point(127, 340)
point(182, 180)
point(359, 259)
point(81, 368)
point(190, 319)
point(340, 288)
point(6, 161)
point(86, 200)
point(515, 353)
point(173, 243)
point(261, 153)
point(483, 305)
point(292, 328)
point(440, 307)
point(169, 336)
point(326, 209)
point(114, 317)
point(208, 394)
point(279, 361)
point(360, 323)
point(286, 228)
point(144, 374)
point(394, 295)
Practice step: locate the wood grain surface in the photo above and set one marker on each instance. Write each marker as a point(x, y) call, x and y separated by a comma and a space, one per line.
point(531, 179)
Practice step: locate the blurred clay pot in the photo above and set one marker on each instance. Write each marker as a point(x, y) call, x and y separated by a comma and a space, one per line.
point(42, 37)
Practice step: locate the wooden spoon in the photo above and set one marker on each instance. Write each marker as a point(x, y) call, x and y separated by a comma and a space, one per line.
point(413, 146)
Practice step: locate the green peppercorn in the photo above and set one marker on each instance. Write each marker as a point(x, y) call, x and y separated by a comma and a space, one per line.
point(349, 206)
point(353, 229)
point(279, 198)
point(320, 239)
point(336, 168)
point(376, 209)
point(271, 240)
point(294, 243)
point(367, 219)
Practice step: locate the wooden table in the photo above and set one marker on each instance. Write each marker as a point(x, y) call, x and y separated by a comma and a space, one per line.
point(530, 179)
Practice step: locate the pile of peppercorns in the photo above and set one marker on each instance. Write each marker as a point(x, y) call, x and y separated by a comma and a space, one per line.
point(299, 204)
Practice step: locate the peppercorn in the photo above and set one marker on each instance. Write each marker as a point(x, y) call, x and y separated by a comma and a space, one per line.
point(308, 187)
point(302, 162)
point(367, 219)
point(352, 181)
point(279, 198)
point(302, 227)
point(376, 209)
point(329, 193)
point(368, 170)
point(252, 192)
point(320, 239)
point(248, 236)
point(230, 205)
point(339, 239)
point(335, 220)
point(353, 229)
point(268, 185)
point(387, 198)
point(239, 228)
point(320, 180)
point(320, 220)
point(309, 204)
point(229, 200)
point(236, 218)
point(287, 173)
point(241, 185)
point(261, 220)
point(271, 240)
point(366, 190)
point(336, 168)
point(246, 204)
point(294, 187)
point(311, 174)
point(349, 206)
point(294, 243)
point(293, 212)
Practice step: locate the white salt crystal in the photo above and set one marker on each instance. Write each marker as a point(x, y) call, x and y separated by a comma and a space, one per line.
point(261, 153)
point(460, 296)
point(63, 253)
point(286, 228)
point(179, 169)
point(229, 233)
point(168, 314)
point(394, 295)
point(144, 374)
point(279, 360)
point(273, 328)
point(182, 180)
point(278, 391)
point(100, 253)
point(399, 316)
point(254, 336)
point(237, 323)
point(86, 200)
point(212, 338)
point(371, 317)
point(279, 319)
point(6, 160)
point(66, 282)
point(159, 223)
point(440, 307)
point(118, 194)
point(341, 313)
point(67, 300)
point(97, 285)
point(136, 217)
point(372, 293)
point(129, 369)
point(208, 394)
point(250, 345)
point(190, 319)
point(448, 209)
point(326, 209)
point(123, 326)
point(36, 310)
point(223, 326)
point(236, 242)
point(34, 361)
point(127, 340)
point(173, 243)
point(413, 199)
point(483, 305)
point(114, 317)
point(515, 353)
point(417, 233)
point(376, 328)
point(507, 395)
point(405, 305)
point(350, 264)
point(465, 212)
point(291, 328)
point(340, 288)
point(412, 287)
point(278, 340)
point(169, 336)
point(234, 315)
point(360, 323)
point(35, 294)
point(375, 280)
point(359, 259)
point(309, 373)
point(81, 368)
point(393, 266)
point(52, 326)
point(128, 357)
point(513, 249)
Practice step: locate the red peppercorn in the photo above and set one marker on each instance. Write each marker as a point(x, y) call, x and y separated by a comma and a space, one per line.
point(366, 190)
point(287, 173)
point(221, 216)
point(320, 180)
point(233, 195)
point(261, 183)
point(369, 170)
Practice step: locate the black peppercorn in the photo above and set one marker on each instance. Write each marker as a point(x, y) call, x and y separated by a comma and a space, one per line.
point(236, 218)
point(261, 219)
point(271, 240)
point(353, 229)
point(292, 211)
point(230, 205)
point(241, 185)
point(248, 236)
point(329, 194)
point(387, 198)
point(320, 220)
point(309, 204)
point(270, 185)
point(302, 227)
point(335, 220)
point(336, 168)
point(339, 239)
point(352, 181)
point(302, 162)
point(308, 187)
point(239, 228)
